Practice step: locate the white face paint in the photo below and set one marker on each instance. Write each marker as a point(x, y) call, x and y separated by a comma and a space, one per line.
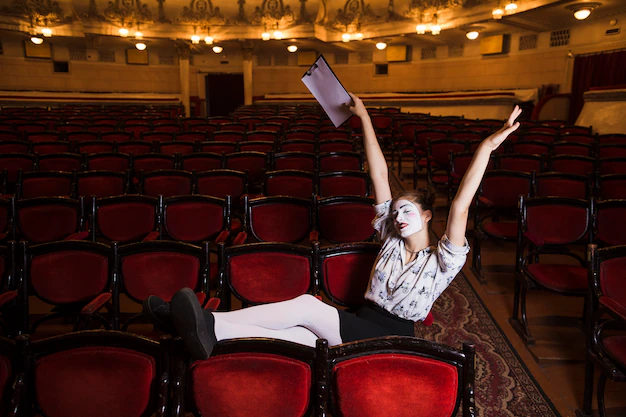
point(407, 218)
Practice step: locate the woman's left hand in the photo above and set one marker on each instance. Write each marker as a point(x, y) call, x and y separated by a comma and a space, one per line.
point(509, 127)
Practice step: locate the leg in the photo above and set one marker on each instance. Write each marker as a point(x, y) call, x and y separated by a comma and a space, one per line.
point(305, 311)
point(297, 334)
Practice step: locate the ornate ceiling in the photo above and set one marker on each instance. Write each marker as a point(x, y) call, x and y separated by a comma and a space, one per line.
point(312, 21)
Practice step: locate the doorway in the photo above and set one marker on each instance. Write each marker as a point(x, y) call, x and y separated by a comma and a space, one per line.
point(224, 93)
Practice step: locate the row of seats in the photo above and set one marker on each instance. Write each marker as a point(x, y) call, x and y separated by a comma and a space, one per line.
point(117, 374)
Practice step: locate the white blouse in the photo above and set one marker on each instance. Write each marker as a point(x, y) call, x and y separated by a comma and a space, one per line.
point(409, 290)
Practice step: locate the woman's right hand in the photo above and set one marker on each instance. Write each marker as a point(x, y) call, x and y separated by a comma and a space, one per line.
point(357, 107)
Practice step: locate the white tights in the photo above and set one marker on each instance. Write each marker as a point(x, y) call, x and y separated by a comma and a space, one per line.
point(302, 320)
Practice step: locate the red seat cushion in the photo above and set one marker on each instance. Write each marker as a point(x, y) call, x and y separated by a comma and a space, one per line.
point(616, 348)
point(504, 230)
point(560, 277)
point(251, 384)
point(395, 385)
point(5, 374)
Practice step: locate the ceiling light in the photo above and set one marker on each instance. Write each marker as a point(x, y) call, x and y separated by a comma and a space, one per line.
point(140, 45)
point(47, 32)
point(511, 7)
point(138, 35)
point(36, 40)
point(381, 45)
point(278, 34)
point(217, 49)
point(292, 48)
point(359, 36)
point(472, 34)
point(265, 36)
point(582, 10)
point(208, 40)
point(497, 13)
point(123, 32)
point(345, 37)
point(195, 39)
point(435, 29)
point(420, 29)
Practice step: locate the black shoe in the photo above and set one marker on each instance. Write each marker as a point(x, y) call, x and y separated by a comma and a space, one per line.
point(158, 311)
point(189, 321)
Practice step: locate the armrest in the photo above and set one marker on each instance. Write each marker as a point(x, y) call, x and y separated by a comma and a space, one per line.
point(536, 240)
point(222, 236)
point(164, 392)
point(314, 235)
point(151, 236)
point(614, 307)
point(485, 201)
point(17, 395)
point(428, 321)
point(5, 297)
point(212, 304)
point(201, 296)
point(241, 238)
point(96, 304)
point(77, 236)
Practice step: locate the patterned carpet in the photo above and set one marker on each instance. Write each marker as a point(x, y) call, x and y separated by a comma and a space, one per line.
point(504, 386)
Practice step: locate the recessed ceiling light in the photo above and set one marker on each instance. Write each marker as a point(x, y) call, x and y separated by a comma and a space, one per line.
point(36, 40)
point(217, 49)
point(582, 10)
point(292, 48)
point(381, 45)
point(472, 34)
point(140, 45)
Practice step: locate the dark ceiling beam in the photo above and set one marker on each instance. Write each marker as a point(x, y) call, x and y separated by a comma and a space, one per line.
point(518, 23)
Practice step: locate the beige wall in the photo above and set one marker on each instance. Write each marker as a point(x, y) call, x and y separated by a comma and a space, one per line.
point(525, 69)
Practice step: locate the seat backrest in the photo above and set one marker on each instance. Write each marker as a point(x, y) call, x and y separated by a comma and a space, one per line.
point(101, 183)
point(135, 147)
point(46, 219)
point(606, 275)
point(265, 272)
point(343, 219)
point(195, 218)
point(246, 377)
point(255, 163)
point(612, 186)
point(222, 182)
point(558, 184)
point(610, 228)
point(301, 161)
point(520, 162)
point(201, 161)
point(108, 161)
point(166, 182)
point(572, 164)
point(60, 162)
point(261, 136)
point(45, 184)
point(340, 161)
point(228, 136)
point(125, 218)
point(557, 220)
point(503, 187)
point(279, 219)
point(344, 271)
point(291, 183)
point(152, 162)
point(343, 183)
point(431, 379)
point(615, 165)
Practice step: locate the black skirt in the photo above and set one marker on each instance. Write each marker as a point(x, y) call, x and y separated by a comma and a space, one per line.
point(370, 321)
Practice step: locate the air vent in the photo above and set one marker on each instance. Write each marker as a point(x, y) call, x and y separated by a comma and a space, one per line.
point(264, 60)
point(106, 56)
point(281, 60)
point(167, 59)
point(366, 57)
point(429, 53)
point(60, 66)
point(341, 57)
point(78, 55)
point(381, 69)
point(455, 51)
point(610, 32)
point(527, 42)
point(559, 38)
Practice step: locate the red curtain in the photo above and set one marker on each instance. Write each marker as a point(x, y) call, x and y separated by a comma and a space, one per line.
point(595, 71)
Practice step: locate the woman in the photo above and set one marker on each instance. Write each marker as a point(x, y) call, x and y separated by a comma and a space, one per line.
point(407, 278)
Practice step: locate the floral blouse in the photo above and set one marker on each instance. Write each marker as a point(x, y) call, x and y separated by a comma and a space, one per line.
point(409, 290)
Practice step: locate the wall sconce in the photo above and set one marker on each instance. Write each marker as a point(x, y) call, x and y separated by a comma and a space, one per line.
point(511, 7)
point(381, 45)
point(123, 32)
point(46, 32)
point(582, 10)
point(266, 36)
point(140, 45)
point(435, 29)
point(420, 29)
point(278, 35)
point(138, 35)
point(208, 40)
point(292, 48)
point(345, 37)
point(195, 39)
point(497, 13)
point(217, 49)
point(358, 36)
point(36, 40)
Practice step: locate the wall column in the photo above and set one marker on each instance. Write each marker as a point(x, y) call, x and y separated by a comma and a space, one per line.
point(183, 64)
point(247, 76)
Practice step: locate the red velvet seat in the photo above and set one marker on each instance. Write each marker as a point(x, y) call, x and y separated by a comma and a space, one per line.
point(102, 184)
point(201, 161)
point(438, 159)
point(256, 146)
point(161, 268)
point(96, 373)
point(222, 182)
point(151, 162)
point(301, 161)
point(45, 184)
point(191, 136)
point(13, 162)
point(231, 126)
point(166, 182)
point(550, 225)
point(84, 136)
point(340, 161)
point(572, 148)
point(108, 161)
point(606, 309)
point(616, 165)
point(15, 146)
point(611, 150)
point(157, 137)
point(344, 219)
point(9, 358)
point(261, 136)
point(124, 218)
point(459, 163)
point(47, 219)
point(254, 163)
point(118, 137)
point(94, 146)
point(135, 147)
point(430, 379)
point(520, 162)
point(344, 183)
point(611, 186)
point(166, 128)
point(559, 184)
point(289, 182)
point(271, 126)
point(532, 147)
point(610, 227)
point(297, 145)
point(221, 147)
point(75, 276)
point(301, 133)
point(136, 129)
point(11, 313)
point(228, 136)
point(266, 272)
point(59, 162)
point(572, 164)
point(250, 377)
point(495, 209)
point(336, 145)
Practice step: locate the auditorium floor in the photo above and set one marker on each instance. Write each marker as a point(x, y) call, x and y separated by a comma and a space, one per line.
point(557, 359)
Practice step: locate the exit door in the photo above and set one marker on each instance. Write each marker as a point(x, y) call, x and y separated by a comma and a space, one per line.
point(224, 93)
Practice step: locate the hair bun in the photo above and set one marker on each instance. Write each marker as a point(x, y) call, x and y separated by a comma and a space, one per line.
point(429, 195)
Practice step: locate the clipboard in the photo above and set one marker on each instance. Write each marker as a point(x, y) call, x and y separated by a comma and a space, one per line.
point(328, 91)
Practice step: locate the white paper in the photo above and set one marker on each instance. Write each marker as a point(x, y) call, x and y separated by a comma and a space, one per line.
point(324, 85)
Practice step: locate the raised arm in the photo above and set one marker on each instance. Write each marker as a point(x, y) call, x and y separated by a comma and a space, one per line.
point(375, 158)
point(459, 210)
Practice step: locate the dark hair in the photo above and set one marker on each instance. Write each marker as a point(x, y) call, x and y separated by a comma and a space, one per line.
point(423, 197)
